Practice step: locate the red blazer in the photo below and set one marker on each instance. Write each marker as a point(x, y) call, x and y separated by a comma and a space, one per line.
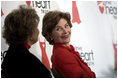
point(68, 62)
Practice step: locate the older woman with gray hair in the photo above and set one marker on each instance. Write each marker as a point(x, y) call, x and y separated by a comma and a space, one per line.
point(20, 32)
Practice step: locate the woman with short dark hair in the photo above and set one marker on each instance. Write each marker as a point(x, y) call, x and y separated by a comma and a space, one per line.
point(65, 60)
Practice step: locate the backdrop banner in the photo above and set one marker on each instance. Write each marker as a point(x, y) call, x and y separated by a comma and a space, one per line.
point(94, 32)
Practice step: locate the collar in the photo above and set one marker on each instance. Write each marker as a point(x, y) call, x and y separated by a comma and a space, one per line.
point(27, 46)
point(70, 48)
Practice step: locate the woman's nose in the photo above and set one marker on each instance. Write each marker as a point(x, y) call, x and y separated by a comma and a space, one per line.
point(64, 31)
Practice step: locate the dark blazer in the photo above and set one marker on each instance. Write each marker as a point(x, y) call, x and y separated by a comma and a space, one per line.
point(20, 63)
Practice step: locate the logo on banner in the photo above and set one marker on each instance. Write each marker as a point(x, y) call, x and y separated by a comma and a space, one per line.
point(43, 5)
point(101, 6)
point(44, 57)
point(28, 3)
point(111, 9)
point(107, 7)
point(87, 56)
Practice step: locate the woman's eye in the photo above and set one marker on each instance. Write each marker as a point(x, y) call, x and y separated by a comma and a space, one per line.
point(66, 25)
point(58, 29)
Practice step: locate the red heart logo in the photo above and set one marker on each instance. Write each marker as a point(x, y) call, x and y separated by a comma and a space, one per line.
point(28, 3)
point(101, 9)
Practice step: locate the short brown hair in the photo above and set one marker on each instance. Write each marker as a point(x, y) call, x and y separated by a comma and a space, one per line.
point(20, 24)
point(50, 21)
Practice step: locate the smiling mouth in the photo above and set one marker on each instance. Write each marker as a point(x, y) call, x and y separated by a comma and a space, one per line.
point(65, 36)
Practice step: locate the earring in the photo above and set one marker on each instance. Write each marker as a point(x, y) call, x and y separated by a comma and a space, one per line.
point(31, 38)
point(51, 39)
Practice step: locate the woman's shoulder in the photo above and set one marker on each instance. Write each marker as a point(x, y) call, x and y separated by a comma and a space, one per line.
point(60, 47)
point(62, 51)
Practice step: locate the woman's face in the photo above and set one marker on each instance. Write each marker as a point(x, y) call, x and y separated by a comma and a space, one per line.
point(35, 35)
point(62, 32)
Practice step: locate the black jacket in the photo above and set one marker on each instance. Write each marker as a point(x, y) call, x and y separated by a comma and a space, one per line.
point(20, 63)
